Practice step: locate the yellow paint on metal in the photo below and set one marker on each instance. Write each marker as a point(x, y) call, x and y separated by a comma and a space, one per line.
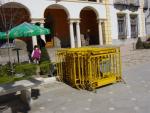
point(87, 68)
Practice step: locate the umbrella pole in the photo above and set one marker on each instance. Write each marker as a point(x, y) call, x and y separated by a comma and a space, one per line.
point(10, 63)
point(8, 47)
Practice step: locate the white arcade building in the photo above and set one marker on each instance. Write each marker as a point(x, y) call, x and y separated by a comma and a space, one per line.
point(73, 21)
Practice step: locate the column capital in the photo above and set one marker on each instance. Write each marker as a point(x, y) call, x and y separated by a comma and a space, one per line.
point(71, 22)
point(100, 20)
point(78, 21)
point(37, 20)
point(74, 20)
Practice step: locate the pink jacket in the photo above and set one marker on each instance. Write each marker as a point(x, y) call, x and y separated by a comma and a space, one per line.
point(36, 53)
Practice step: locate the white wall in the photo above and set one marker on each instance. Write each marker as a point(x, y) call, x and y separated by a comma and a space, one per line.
point(114, 22)
point(147, 16)
point(37, 7)
point(75, 8)
point(148, 29)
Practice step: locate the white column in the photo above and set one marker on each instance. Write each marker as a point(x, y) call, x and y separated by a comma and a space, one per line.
point(43, 36)
point(100, 32)
point(98, 1)
point(34, 40)
point(72, 42)
point(128, 27)
point(78, 34)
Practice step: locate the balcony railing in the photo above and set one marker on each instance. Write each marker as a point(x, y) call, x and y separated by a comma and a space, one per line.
point(120, 2)
point(133, 5)
point(127, 4)
point(98, 1)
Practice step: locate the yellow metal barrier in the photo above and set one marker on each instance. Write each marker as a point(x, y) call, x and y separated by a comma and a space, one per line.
point(89, 68)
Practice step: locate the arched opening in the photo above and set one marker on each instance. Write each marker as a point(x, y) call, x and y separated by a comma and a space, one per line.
point(56, 19)
point(89, 26)
point(13, 14)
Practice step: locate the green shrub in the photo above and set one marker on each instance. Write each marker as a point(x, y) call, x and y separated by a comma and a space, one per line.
point(21, 78)
point(139, 44)
point(9, 79)
point(6, 79)
point(45, 67)
point(44, 55)
point(26, 69)
point(3, 70)
point(146, 45)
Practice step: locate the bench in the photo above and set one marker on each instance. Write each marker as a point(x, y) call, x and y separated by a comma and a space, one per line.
point(23, 87)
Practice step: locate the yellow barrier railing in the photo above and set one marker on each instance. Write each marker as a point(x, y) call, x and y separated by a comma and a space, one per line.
point(89, 68)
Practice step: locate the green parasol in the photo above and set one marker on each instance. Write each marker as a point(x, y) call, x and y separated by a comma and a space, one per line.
point(23, 30)
point(27, 30)
point(2, 35)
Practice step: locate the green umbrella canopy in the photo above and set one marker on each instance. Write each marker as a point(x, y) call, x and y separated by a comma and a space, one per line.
point(2, 35)
point(27, 30)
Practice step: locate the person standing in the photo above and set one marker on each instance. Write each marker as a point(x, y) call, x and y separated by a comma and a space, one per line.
point(87, 37)
point(36, 54)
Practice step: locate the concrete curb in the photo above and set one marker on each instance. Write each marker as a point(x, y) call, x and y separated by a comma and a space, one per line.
point(46, 80)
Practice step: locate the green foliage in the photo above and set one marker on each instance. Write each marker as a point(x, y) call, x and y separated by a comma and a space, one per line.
point(45, 67)
point(146, 45)
point(21, 78)
point(139, 44)
point(26, 69)
point(44, 62)
point(44, 55)
point(4, 70)
point(6, 79)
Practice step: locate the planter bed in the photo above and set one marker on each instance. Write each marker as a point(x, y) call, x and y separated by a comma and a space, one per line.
point(23, 71)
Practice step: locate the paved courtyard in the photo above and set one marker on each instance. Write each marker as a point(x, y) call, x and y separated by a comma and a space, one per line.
point(129, 97)
point(132, 97)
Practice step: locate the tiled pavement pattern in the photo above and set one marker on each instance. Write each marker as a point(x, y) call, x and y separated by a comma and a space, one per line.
point(131, 56)
point(131, 97)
